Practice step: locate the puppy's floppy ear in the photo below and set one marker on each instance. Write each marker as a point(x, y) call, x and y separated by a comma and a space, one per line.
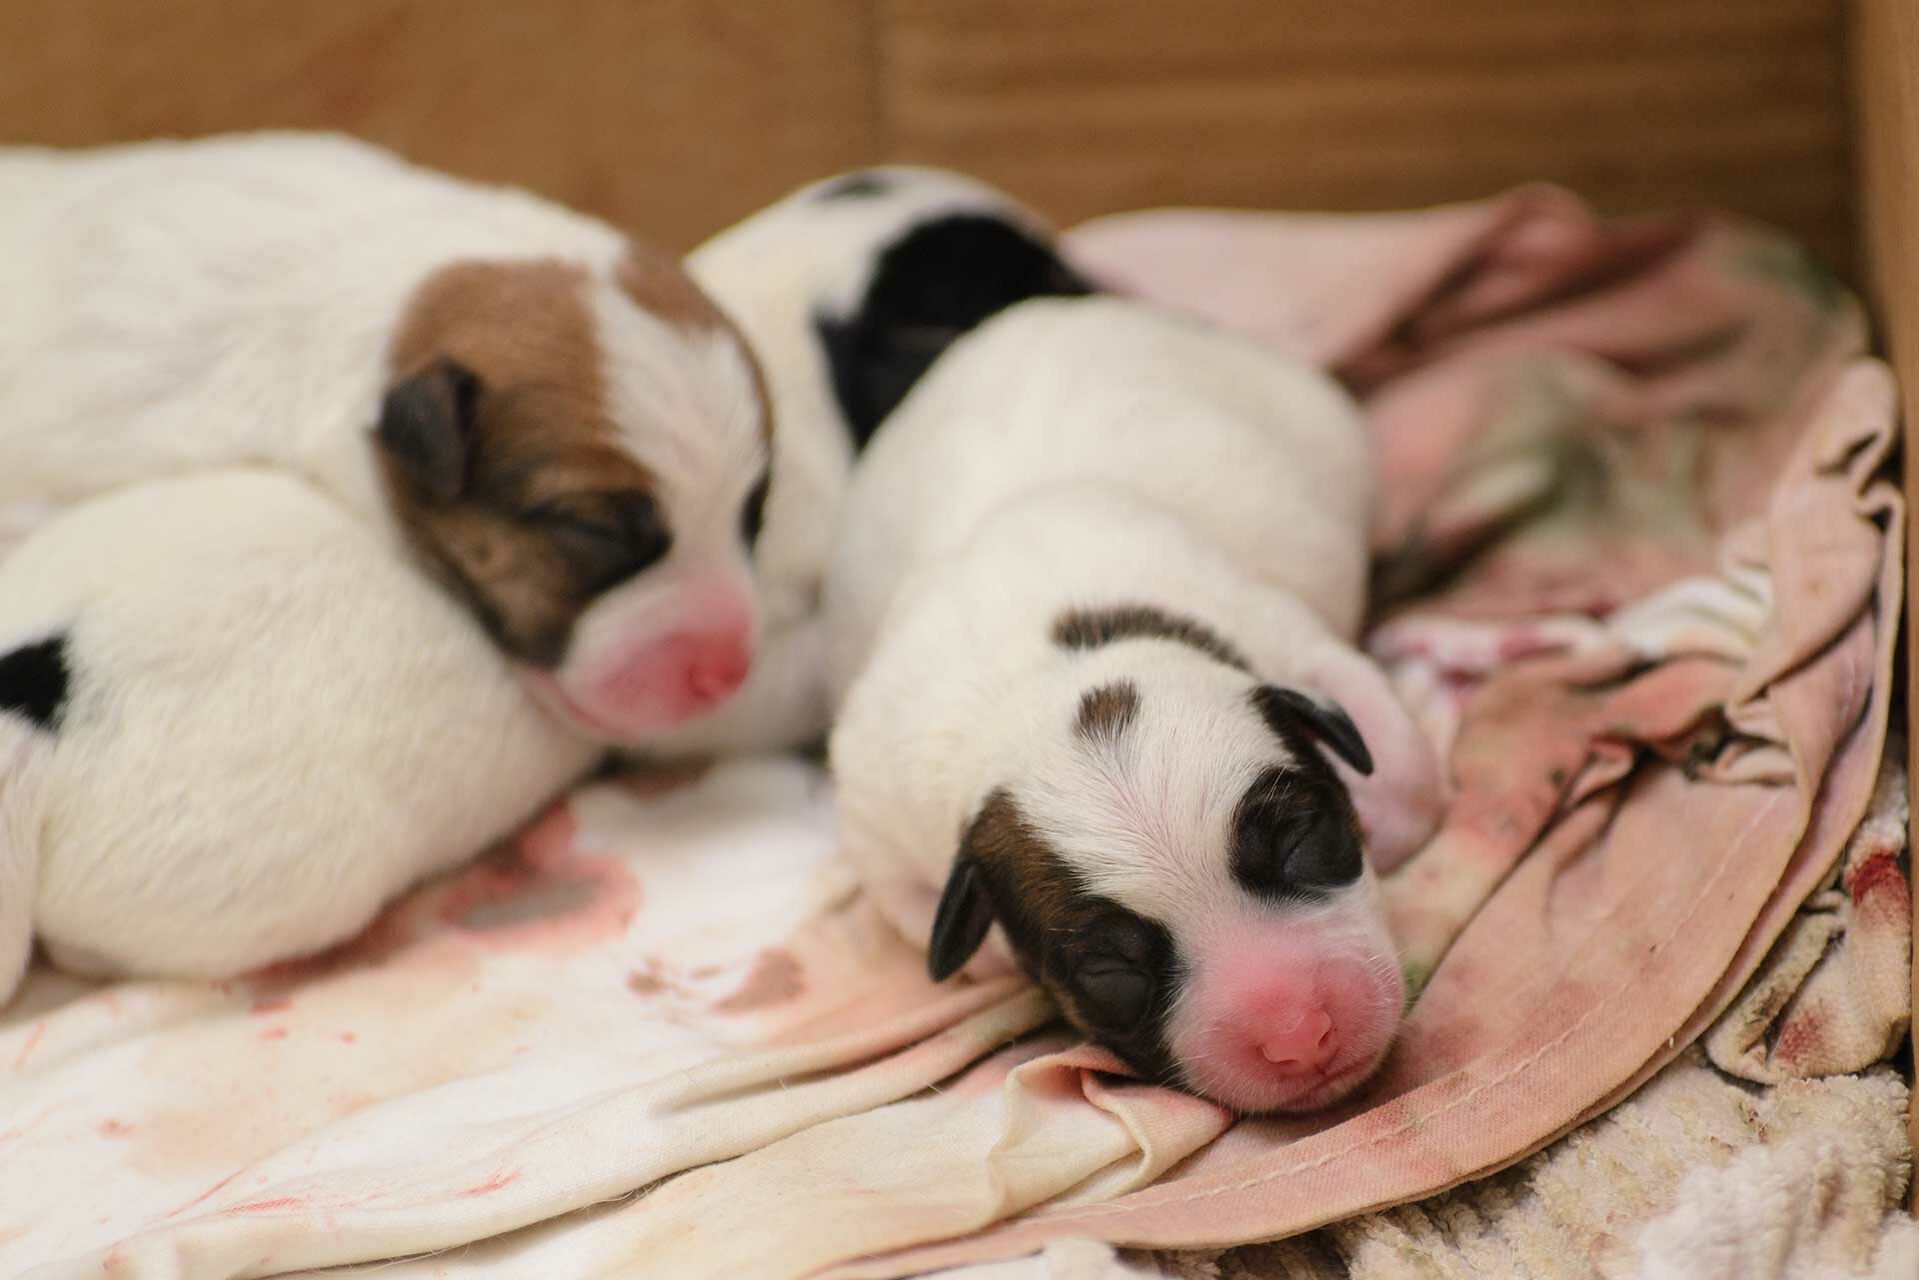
point(1326, 721)
point(426, 427)
point(965, 914)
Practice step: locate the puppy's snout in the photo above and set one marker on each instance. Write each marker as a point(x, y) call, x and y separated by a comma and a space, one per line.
point(1299, 1041)
point(715, 664)
point(684, 674)
point(625, 683)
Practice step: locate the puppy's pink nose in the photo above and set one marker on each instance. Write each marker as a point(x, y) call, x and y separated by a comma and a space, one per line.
point(1305, 1045)
point(717, 667)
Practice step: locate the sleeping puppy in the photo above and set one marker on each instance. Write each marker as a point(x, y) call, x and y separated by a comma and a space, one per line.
point(232, 724)
point(548, 417)
point(848, 289)
point(1092, 613)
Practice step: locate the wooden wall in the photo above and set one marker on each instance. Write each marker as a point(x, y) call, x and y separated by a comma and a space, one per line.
point(675, 116)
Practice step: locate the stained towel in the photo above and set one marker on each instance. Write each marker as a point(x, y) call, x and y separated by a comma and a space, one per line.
point(1641, 574)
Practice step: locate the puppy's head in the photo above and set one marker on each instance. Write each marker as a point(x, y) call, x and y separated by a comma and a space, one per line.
point(582, 457)
point(1174, 859)
point(851, 287)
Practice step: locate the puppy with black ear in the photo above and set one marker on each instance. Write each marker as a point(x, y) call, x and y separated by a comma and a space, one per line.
point(232, 725)
point(848, 289)
point(1092, 617)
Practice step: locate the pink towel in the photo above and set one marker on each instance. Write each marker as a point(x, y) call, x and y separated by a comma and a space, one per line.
point(1639, 573)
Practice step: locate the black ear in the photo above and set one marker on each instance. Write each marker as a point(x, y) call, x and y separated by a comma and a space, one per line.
point(426, 427)
point(959, 926)
point(1326, 721)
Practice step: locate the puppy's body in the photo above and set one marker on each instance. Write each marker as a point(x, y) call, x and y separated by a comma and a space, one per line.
point(1087, 573)
point(548, 417)
point(848, 289)
point(232, 725)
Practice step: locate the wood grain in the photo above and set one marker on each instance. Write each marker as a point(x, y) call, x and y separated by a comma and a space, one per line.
point(1089, 106)
point(1885, 59)
point(672, 117)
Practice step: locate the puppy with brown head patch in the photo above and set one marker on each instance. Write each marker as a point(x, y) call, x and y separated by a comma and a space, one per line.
point(547, 416)
point(848, 289)
point(1092, 613)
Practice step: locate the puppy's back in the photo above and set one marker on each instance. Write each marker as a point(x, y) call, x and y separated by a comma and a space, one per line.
point(270, 724)
point(1264, 458)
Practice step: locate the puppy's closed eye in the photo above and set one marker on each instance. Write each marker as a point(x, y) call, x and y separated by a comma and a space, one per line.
point(1322, 853)
point(1293, 836)
point(1112, 993)
point(608, 537)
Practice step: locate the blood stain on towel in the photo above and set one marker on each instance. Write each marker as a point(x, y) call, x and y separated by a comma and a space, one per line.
point(647, 981)
point(774, 979)
point(1802, 1037)
point(274, 1033)
point(205, 1195)
point(111, 1128)
point(391, 932)
point(1877, 887)
point(32, 1042)
point(540, 888)
point(491, 1185)
point(269, 1206)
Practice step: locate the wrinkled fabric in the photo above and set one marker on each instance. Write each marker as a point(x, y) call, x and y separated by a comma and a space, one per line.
point(1639, 577)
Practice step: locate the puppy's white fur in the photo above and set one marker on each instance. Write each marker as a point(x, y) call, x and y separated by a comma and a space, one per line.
point(167, 307)
point(1075, 454)
point(271, 726)
point(776, 274)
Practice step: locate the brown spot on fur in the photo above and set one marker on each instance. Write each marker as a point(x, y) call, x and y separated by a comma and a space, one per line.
point(775, 978)
point(542, 449)
point(1105, 712)
point(1054, 923)
point(1092, 628)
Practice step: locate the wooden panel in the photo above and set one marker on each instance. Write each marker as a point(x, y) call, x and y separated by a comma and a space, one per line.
point(670, 116)
point(1088, 106)
point(1886, 63)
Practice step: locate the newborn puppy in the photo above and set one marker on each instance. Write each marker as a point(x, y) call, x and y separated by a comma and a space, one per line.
point(1092, 611)
point(548, 417)
point(232, 725)
point(848, 289)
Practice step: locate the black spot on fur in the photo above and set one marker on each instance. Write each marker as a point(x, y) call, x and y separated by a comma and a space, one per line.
point(929, 289)
point(1091, 628)
point(1105, 712)
point(1295, 834)
point(753, 511)
point(34, 680)
point(855, 186)
point(1113, 973)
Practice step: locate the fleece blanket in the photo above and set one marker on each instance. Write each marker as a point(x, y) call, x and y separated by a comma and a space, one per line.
point(1639, 573)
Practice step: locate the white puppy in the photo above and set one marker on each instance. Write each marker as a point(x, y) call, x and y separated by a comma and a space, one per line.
point(232, 724)
point(1093, 611)
point(549, 417)
point(848, 289)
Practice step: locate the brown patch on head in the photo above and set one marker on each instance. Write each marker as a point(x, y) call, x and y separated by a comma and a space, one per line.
point(1072, 941)
point(1106, 712)
point(657, 283)
point(501, 460)
point(1092, 628)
